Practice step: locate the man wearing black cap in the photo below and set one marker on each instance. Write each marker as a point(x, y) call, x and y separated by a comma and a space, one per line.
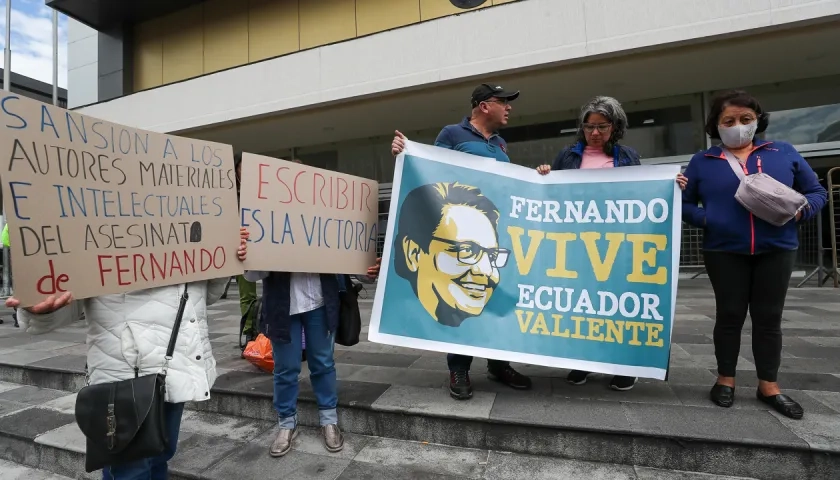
point(477, 134)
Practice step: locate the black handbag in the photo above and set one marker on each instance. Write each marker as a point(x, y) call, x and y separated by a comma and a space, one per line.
point(124, 421)
point(349, 317)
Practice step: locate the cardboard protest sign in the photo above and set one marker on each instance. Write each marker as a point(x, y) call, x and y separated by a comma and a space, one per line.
point(307, 219)
point(576, 269)
point(96, 208)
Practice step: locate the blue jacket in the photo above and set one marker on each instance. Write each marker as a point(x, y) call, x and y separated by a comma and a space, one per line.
point(275, 321)
point(571, 157)
point(463, 137)
point(709, 199)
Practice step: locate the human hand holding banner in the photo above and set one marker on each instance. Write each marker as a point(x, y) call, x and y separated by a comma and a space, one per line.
point(96, 208)
point(307, 219)
point(576, 269)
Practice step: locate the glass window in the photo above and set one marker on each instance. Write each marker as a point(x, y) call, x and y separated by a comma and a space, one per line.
point(327, 159)
point(653, 132)
point(664, 132)
point(801, 126)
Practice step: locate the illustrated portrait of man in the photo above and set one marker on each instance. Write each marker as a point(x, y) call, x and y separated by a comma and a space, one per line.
point(447, 247)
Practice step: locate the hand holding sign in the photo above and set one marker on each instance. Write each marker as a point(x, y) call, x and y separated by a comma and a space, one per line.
point(373, 272)
point(242, 253)
point(48, 305)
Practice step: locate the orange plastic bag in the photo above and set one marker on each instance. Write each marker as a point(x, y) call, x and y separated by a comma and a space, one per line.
point(258, 352)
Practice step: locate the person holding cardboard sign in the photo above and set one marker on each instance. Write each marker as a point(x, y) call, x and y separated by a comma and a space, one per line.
point(127, 336)
point(300, 306)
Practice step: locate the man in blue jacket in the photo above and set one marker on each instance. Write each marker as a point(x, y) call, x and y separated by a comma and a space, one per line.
point(477, 134)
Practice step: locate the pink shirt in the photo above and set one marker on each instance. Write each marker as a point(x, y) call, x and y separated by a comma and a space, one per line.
point(594, 157)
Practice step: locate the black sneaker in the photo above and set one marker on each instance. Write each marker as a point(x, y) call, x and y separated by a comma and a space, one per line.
point(511, 378)
point(577, 377)
point(622, 384)
point(460, 387)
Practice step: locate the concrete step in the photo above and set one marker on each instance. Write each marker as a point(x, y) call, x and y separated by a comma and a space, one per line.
point(14, 471)
point(212, 446)
point(737, 441)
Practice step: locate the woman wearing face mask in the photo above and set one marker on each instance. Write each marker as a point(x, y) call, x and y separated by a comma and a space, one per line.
point(748, 260)
point(602, 124)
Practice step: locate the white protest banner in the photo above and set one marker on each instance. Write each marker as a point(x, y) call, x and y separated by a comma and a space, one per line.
point(576, 269)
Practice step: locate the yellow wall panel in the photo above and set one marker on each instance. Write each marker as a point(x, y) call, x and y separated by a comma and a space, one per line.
point(183, 45)
point(326, 21)
point(380, 15)
point(148, 56)
point(430, 9)
point(272, 28)
point(225, 35)
point(221, 34)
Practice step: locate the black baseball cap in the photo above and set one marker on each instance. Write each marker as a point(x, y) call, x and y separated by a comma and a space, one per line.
point(486, 91)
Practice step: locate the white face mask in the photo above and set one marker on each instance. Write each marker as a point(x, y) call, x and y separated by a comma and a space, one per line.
point(737, 136)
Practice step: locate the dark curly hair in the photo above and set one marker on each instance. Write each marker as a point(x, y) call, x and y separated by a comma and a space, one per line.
point(734, 98)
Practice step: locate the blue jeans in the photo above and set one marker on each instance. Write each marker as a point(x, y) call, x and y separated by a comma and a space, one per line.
point(154, 468)
point(320, 345)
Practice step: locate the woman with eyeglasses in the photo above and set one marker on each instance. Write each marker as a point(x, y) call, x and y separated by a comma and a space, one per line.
point(602, 123)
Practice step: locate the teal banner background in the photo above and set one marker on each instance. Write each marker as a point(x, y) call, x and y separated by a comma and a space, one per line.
point(498, 326)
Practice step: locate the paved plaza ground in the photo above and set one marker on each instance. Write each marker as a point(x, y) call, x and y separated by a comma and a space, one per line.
point(401, 394)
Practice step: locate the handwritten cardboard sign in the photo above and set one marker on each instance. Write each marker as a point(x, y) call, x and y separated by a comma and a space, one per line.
point(306, 219)
point(97, 208)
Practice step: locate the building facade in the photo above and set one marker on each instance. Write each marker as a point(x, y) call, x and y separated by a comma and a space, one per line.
point(328, 81)
point(31, 88)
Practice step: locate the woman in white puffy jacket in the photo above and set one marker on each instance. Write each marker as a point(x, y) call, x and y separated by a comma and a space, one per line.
point(131, 331)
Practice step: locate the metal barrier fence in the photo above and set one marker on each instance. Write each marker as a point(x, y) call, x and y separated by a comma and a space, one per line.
point(384, 208)
point(813, 257)
point(833, 187)
point(691, 247)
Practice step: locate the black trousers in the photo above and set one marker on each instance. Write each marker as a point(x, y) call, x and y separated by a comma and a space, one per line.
point(462, 362)
point(754, 283)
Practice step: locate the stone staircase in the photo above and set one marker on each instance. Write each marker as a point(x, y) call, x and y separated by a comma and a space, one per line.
point(236, 426)
point(390, 395)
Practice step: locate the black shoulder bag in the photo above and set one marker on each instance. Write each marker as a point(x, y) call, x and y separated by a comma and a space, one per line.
point(124, 421)
point(349, 317)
